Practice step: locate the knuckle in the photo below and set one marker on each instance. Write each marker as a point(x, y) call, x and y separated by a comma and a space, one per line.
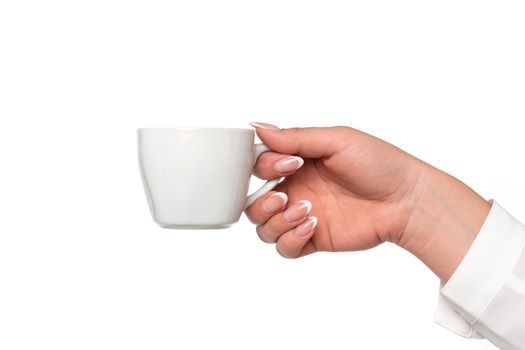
point(252, 220)
point(285, 250)
point(250, 215)
point(263, 236)
point(342, 129)
point(294, 130)
point(254, 212)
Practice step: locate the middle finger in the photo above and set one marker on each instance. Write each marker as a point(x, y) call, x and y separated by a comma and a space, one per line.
point(284, 221)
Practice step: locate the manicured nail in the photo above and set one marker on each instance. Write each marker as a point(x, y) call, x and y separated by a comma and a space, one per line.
point(264, 126)
point(306, 227)
point(289, 164)
point(274, 202)
point(297, 211)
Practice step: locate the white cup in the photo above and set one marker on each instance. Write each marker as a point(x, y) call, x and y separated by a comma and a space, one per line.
point(198, 178)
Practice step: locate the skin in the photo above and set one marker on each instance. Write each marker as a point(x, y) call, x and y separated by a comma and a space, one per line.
point(364, 191)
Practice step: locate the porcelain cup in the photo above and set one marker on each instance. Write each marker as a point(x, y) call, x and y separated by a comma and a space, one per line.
point(198, 178)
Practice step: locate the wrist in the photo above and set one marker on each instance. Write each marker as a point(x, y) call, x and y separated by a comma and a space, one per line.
point(445, 218)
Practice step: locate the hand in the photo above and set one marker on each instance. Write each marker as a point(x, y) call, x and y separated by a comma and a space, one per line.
point(355, 191)
point(357, 184)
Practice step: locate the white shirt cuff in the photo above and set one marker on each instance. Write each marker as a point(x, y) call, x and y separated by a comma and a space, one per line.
point(447, 317)
point(482, 274)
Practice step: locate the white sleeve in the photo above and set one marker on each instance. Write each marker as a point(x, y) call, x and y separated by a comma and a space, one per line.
point(485, 297)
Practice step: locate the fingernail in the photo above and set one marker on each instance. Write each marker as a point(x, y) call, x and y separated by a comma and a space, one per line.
point(297, 211)
point(306, 227)
point(289, 164)
point(264, 126)
point(274, 202)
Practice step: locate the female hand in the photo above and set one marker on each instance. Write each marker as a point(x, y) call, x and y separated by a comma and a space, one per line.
point(355, 191)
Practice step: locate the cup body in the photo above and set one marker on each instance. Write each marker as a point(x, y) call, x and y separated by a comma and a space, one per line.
point(196, 177)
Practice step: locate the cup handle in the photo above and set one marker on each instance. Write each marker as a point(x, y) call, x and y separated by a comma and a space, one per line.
point(259, 149)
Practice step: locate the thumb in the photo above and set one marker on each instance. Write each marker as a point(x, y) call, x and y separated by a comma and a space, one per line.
point(313, 142)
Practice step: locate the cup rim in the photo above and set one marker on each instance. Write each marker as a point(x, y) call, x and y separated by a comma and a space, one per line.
point(190, 128)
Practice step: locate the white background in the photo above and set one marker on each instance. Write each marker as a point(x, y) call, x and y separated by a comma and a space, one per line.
point(82, 265)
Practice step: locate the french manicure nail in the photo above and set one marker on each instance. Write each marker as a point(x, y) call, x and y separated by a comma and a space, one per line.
point(289, 164)
point(264, 126)
point(297, 211)
point(274, 202)
point(306, 227)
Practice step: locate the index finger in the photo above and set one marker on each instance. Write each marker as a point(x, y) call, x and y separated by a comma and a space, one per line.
point(272, 165)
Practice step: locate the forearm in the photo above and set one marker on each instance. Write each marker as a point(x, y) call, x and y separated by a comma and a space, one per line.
point(446, 216)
